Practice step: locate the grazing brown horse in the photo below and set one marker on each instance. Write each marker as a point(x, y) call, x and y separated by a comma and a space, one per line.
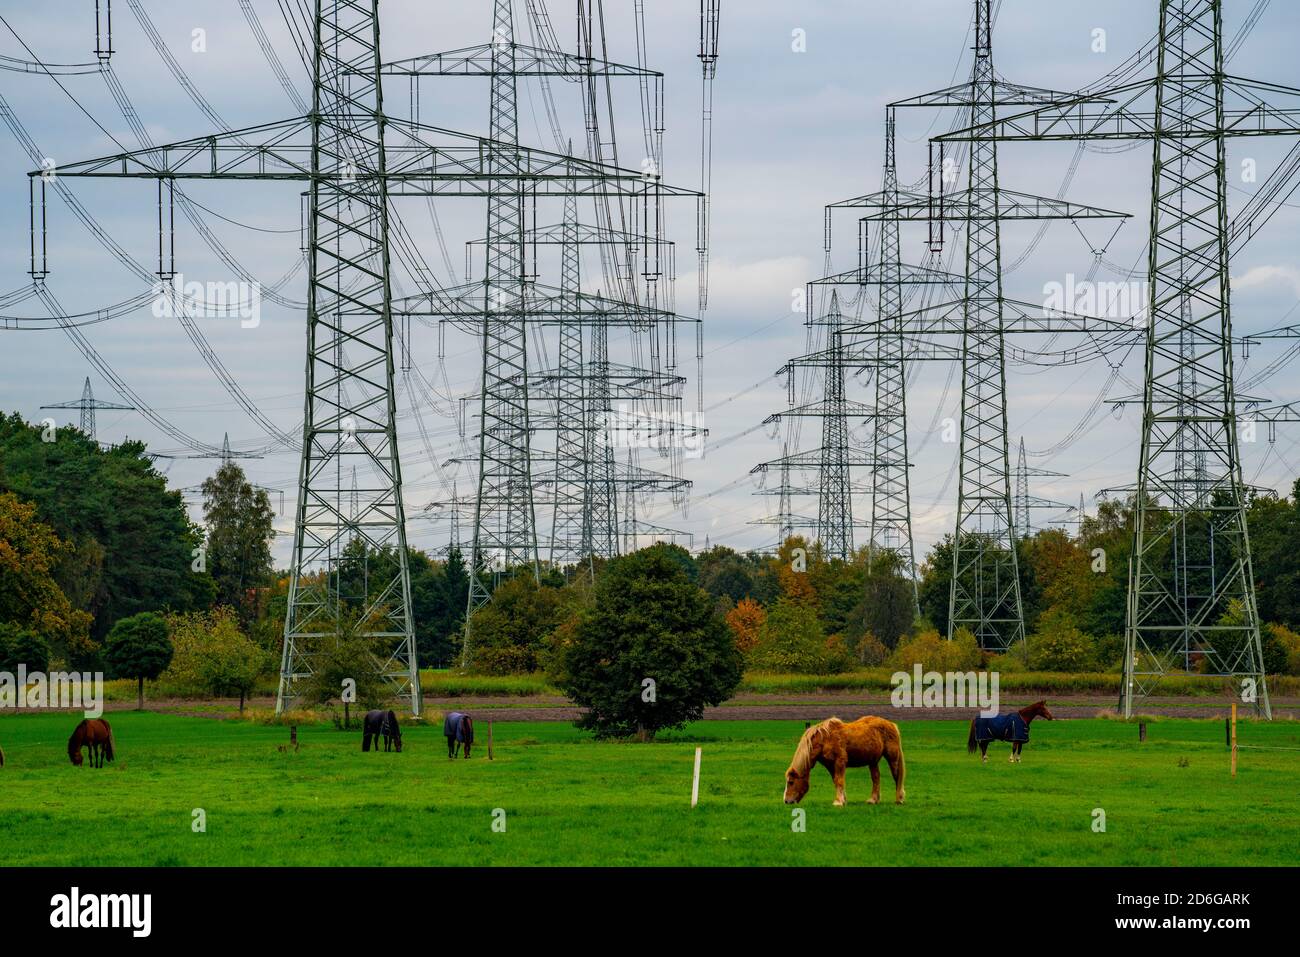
point(1005, 727)
point(837, 745)
point(95, 734)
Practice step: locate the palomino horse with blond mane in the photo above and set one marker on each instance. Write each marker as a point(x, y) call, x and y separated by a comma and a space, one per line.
point(837, 745)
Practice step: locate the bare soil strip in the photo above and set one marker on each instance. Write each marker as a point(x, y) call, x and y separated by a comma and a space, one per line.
point(762, 707)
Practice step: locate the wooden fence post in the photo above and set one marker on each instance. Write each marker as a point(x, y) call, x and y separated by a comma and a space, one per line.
point(1234, 739)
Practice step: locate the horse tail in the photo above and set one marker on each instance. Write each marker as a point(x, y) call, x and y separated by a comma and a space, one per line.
point(899, 770)
point(970, 742)
point(109, 750)
point(2, 757)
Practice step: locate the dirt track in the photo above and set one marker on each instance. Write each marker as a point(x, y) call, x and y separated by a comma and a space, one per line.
point(762, 707)
point(848, 705)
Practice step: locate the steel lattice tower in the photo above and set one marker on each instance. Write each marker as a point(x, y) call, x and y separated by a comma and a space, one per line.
point(87, 405)
point(571, 531)
point(897, 336)
point(339, 150)
point(1191, 557)
point(1191, 598)
point(600, 515)
point(350, 414)
point(891, 509)
point(505, 526)
point(835, 503)
point(1025, 502)
point(985, 593)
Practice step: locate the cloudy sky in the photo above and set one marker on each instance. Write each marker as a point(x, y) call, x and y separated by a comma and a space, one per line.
point(799, 106)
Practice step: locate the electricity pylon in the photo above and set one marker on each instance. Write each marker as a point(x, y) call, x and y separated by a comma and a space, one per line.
point(985, 591)
point(891, 500)
point(1026, 502)
point(87, 405)
point(356, 160)
point(517, 473)
point(1191, 590)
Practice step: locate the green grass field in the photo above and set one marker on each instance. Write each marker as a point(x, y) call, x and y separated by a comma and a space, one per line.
point(569, 800)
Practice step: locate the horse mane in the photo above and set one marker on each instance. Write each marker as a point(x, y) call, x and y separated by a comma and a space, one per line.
point(75, 741)
point(396, 729)
point(801, 763)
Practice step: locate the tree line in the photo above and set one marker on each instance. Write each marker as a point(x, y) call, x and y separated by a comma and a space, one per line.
point(102, 568)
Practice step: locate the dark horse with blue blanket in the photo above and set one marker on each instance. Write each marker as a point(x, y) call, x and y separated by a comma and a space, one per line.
point(381, 724)
point(1005, 727)
point(458, 728)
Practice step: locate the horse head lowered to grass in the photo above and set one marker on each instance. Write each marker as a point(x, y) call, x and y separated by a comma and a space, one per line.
point(95, 734)
point(458, 728)
point(381, 725)
point(837, 745)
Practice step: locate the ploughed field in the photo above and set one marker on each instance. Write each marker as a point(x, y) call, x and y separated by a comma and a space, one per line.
point(566, 799)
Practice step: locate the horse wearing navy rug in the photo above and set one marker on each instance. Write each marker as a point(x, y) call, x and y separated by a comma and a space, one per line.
point(381, 724)
point(1005, 727)
point(458, 728)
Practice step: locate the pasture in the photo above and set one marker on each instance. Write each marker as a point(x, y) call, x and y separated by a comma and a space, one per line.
point(570, 800)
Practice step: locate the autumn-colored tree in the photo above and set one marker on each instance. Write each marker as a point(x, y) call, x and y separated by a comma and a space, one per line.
point(29, 595)
point(746, 623)
point(1064, 570)
point(934, 653)
point(793, 560)
point(792, 640)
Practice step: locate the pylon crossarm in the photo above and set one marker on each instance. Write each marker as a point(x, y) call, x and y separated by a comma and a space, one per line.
point(908, 275)
point(853, 408)
point(1002, 93)
point(812, 459)
point(1289, 412)
point(880, 200)
point(580, 234)
point(1132, 117)
point(528, 61)
point(414, 166)
point(964, 207)
point(466, 302)
point(1019, 318)
point(863, 357)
